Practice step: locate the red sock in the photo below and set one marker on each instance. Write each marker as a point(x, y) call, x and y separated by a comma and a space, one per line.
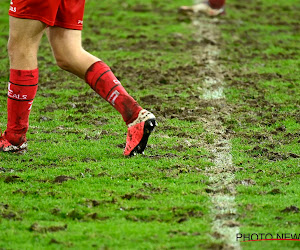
point(216, 4)
point(22, 88)
point(103, 81)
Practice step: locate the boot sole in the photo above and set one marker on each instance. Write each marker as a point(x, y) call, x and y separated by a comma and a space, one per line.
point(149, 126)
point(15, 149)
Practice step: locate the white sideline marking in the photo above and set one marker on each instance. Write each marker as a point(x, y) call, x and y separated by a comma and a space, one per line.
point(210, 92)
point(221, 176)
point(213, 94)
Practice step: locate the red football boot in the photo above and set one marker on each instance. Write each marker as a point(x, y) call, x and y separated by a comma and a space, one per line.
point(6, 146)
point(139, 132)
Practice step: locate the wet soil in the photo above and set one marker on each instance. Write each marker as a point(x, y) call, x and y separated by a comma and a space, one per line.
point(167, 102)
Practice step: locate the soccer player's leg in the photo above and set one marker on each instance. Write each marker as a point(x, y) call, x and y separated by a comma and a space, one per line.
point(23, 43)
point(210, 8)
point(70, 56)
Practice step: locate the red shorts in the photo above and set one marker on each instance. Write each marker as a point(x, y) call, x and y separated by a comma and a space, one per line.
point(63, 13)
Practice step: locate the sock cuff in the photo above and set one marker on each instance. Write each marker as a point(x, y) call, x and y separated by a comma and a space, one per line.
point(216, 4)
point(95, 70)
point(24, 77)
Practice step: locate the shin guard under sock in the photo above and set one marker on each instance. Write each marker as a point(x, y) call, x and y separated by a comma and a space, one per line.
point(101, 79)
point(22, 88)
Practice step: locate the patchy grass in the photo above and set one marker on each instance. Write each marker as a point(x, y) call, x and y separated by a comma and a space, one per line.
point(75, 189)
point(263, 58)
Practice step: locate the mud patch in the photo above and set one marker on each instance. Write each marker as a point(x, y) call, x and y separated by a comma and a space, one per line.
point(41, 229)
point(178, 215)
point(138, 196)
point(63, 178)
point(13, 179)
point(291, 209)
point(11, 215)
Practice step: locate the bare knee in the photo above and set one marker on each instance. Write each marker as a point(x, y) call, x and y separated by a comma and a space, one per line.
point(15, 47)
point(69, 60)
point(22, 54)
point(23, 43)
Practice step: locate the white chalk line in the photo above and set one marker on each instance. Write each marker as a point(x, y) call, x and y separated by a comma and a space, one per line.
point(221, 174)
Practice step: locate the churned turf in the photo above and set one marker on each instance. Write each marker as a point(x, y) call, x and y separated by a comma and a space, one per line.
point(74, 188)
point(262, 51)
